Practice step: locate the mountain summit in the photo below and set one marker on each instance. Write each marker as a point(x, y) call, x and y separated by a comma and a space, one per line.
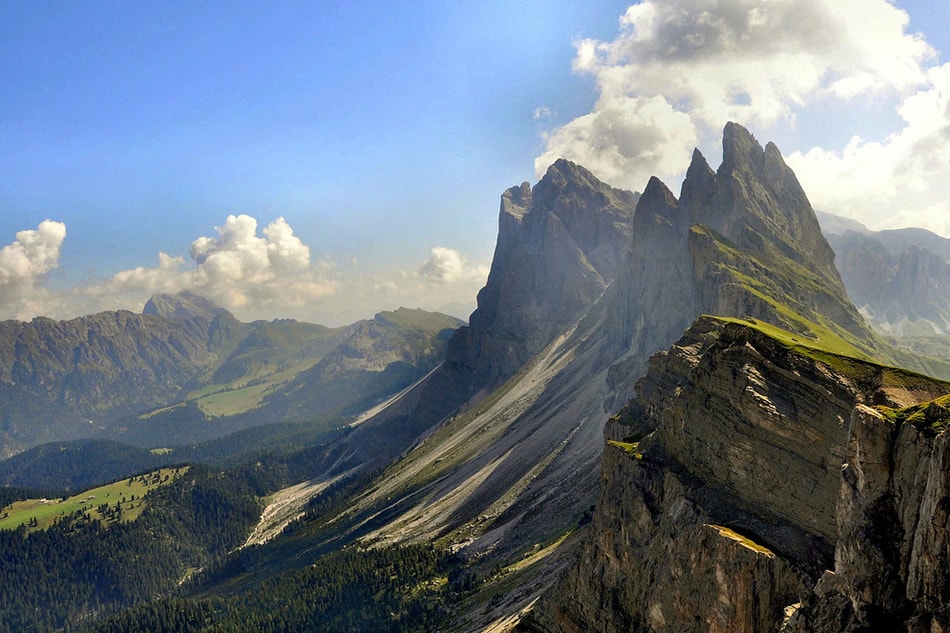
point(559, 247)
point(740, 241)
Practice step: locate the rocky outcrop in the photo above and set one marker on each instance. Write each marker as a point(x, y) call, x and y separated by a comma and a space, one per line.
point(653, 303)
point(893, 550)
point(722, 493)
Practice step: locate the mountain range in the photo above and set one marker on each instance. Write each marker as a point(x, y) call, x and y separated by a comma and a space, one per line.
point(186, 370)
point(899, 278)
point(665, 414)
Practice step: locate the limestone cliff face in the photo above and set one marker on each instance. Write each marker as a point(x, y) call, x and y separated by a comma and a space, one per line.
point(722, 494)
point(559, 246)
point(893, 552)
point(655, 299)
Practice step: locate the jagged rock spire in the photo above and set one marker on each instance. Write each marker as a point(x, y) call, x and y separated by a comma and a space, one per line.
point(559, 246)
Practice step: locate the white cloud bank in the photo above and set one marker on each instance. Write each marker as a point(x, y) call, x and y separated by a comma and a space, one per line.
point(249, 274)
point(256, 276)
point(679, 69)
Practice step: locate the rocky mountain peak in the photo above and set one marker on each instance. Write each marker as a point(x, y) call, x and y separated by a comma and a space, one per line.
point(740, 149)
point(576, 196)
point(657, 195)
point(516, 200)
point(700, 182)
point(740, 242)
point(756, 202)
point(563, 174)
point(559, 246)
point(184, 305)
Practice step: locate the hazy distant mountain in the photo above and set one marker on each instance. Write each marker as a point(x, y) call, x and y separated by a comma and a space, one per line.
point(278, 374)
point(899, 278)
point(186, 370)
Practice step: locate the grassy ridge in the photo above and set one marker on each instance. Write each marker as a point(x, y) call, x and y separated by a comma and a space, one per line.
point(930, 417)
point(840, 356)
point(128, 494)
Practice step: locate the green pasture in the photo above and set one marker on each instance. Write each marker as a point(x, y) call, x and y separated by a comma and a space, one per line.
point(125, 500)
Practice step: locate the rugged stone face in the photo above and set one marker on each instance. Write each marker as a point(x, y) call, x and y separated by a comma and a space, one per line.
point(740, 241)
point(654, 301)
point(722, 495)
point(893, 551)
point(559, 247)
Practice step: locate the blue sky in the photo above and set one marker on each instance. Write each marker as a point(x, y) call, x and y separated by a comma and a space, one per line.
point(362, 147)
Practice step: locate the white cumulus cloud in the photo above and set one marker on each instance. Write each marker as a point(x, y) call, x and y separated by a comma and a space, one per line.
point(240, 268)
point(256, 276)
point(446, 265)
point(903, 180)
point(680, 69)
point(24, 263)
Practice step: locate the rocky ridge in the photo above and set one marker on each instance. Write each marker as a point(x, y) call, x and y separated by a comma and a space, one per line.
point(186, 370)
point(66, 379)
point(723, 496)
